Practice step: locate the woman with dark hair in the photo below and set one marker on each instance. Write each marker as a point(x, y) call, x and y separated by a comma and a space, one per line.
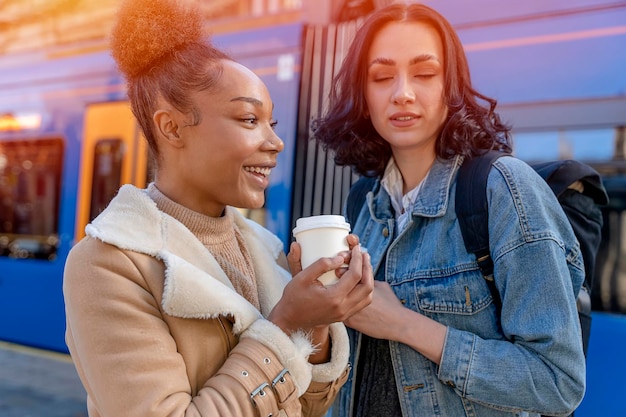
point(348, 131)
point(176, 304)
point(433, 342)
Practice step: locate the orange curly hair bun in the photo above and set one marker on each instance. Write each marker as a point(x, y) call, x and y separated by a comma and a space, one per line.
point(148, 30)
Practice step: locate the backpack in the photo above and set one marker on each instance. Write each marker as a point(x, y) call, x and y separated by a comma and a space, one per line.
point(582, 209)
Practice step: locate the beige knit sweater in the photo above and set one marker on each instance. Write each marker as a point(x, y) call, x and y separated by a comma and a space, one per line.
point(222, 237)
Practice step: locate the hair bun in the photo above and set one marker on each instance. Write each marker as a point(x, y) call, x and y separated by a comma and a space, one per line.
point(147, 30)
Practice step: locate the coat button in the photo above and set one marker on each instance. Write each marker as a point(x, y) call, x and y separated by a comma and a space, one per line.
point(450, 383)
point(385, 232)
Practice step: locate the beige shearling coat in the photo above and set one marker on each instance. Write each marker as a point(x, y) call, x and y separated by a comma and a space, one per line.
point(155, 328)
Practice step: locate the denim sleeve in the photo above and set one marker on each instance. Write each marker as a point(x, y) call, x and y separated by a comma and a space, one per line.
point(539, 365)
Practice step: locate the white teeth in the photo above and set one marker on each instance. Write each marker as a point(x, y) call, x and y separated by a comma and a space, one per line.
point(259, 170)
point(404, 118)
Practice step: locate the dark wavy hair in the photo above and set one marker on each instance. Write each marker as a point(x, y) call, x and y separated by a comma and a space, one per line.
point(470, 128)
point(160, 48)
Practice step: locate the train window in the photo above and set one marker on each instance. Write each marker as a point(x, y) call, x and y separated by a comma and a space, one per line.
point(107, 174)
point(30, 178)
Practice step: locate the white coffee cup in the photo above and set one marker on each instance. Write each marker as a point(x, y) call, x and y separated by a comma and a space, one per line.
point(320, 237)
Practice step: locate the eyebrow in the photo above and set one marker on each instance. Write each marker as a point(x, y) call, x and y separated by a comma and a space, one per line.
point(250, 100)
point(415, 60)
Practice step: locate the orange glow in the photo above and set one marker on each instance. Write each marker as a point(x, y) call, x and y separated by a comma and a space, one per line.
point(13, 123)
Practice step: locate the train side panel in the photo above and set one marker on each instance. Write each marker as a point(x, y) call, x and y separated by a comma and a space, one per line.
point(51, 91)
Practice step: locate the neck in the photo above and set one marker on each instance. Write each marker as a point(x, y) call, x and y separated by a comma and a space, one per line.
point(413, 169)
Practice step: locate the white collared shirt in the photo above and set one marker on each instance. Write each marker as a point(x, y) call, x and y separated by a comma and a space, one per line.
point(392, 182)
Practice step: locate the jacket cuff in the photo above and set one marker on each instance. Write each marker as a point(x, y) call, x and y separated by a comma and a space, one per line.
point(339, 356)
point(293, 352)
point(458, 351)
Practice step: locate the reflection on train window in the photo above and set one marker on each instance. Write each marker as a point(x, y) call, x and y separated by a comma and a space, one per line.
point(30, 178)
point(107, 174)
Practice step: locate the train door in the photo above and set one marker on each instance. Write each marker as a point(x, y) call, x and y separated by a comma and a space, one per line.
point(113, 153)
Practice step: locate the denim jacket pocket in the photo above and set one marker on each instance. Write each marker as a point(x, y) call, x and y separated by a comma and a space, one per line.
point(462, 301)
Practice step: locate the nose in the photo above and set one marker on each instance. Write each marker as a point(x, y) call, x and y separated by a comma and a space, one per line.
point(274, 142)
point(403, 93)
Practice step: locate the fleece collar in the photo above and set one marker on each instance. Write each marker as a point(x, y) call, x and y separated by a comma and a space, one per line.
point(195, 286)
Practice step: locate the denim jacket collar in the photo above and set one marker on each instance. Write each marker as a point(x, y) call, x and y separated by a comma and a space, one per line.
point(432, 200)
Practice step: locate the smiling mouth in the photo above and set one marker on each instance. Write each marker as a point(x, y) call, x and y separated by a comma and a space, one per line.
point(403, 118)
point(264, 171)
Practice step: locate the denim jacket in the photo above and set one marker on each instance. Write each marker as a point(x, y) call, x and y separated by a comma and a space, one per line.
point(527, 360)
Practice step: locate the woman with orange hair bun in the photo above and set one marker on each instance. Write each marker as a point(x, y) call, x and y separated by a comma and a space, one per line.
point(176, 304)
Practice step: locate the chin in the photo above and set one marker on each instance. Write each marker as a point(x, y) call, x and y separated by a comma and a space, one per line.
point(254, 203)
point(258, 206)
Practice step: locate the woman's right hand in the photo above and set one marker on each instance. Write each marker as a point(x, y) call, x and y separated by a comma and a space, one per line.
point(306, 303)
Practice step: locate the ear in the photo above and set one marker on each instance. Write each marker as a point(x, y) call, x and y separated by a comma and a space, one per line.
point(167, 126)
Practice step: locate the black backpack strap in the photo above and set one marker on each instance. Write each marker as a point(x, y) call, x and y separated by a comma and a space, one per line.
point(356, 197)
point(473, 213)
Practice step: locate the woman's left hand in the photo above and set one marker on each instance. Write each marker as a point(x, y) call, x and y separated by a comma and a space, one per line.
point(387, 318)
point(377, 319)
